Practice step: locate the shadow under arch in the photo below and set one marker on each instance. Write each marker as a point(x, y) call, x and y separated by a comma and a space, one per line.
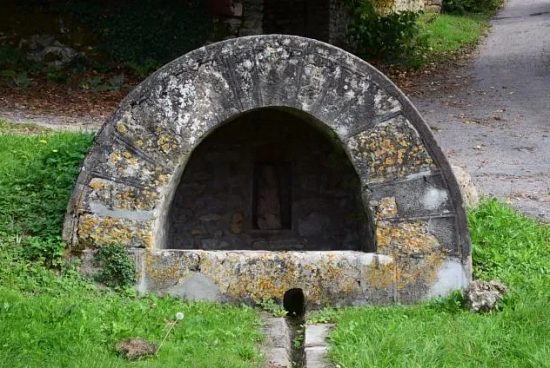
point(272, 178)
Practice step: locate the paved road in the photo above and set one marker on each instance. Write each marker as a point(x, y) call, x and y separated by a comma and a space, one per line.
point(492, 115)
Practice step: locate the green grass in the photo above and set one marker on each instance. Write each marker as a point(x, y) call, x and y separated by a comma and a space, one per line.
point(52, 317)
point(37, 172)
point(507, 246)
point(447, 34)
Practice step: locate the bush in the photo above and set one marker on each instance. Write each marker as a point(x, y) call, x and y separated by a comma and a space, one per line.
point(47, 251)
point(144, 33)
point(116, 269)
point(470, 6)
point(393, 38)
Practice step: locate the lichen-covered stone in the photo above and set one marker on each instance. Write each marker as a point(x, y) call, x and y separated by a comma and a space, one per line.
point(387, 208)
point(327, 278)
point(96, 231)
point(391, 150)
point(467, 187)
point(421, 196)
point(483, 296)
point(116, 196)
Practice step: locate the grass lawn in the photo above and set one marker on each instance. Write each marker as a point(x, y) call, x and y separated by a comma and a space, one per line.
point(53, 318)
point(447, 34)
point(442, 334)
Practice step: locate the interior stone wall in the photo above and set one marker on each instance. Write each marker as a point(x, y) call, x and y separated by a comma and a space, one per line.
point(213, 207)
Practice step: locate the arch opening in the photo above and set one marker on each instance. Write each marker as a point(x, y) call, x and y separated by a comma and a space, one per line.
point(269, 179)
point(294, 302)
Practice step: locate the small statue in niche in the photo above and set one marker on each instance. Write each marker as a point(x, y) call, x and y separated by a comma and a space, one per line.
point(268, 198)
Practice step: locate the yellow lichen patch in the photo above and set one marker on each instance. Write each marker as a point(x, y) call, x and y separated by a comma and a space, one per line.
point(96, 231)
point(391, 150)
point(122, 197)
point(120, 127)
point(417, 252)
point(167, 143)
point(412, 271)
point(164, 269)
point(387, 208)
point(382, 276)
point(161, 179)
point(96, 184)
point(405, 238)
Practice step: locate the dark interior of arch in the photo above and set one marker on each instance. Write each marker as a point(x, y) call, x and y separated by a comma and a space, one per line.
point(269, 180)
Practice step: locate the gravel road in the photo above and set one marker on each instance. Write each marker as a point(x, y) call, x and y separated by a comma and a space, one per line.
point(492, 115)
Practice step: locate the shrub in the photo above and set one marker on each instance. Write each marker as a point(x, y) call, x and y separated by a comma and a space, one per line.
point(47, 251)
point(116, 269)
point(470, 6)
point(392, 38)
point(144, 33)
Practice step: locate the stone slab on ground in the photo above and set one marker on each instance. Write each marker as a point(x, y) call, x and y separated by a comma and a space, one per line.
point(315, 345)
point(277, 345)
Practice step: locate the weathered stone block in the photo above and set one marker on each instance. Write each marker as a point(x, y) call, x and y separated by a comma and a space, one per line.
point(391, 150)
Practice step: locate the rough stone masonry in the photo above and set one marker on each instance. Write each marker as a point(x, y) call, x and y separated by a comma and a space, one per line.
point(285, 114)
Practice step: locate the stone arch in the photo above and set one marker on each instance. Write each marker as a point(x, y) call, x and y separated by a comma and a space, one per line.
point(129, 177)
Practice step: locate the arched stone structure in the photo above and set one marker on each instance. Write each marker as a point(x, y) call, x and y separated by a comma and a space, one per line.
point(414, 216)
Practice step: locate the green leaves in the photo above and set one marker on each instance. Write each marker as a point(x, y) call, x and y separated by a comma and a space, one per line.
point(392, 38)
point(509, 246)
point(36, 177)
point(116, 269)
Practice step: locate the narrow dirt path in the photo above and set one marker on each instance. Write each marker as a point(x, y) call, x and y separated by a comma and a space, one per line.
point(492, 114)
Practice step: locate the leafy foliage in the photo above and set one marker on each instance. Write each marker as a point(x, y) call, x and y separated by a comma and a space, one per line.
point(270, 306)
point(15, 67)
point(47, 251)
point(116, 269)
point(145, 33)
point(470, 6)
point(391, 38)
point(325, 315)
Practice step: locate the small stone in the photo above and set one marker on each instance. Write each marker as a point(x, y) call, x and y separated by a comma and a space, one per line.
point(134, 349)
point(483, 296)
point(466, 186)
point(387, 208)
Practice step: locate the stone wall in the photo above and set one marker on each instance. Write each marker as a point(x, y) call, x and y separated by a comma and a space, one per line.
point(324, 20)
point(214, 205)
